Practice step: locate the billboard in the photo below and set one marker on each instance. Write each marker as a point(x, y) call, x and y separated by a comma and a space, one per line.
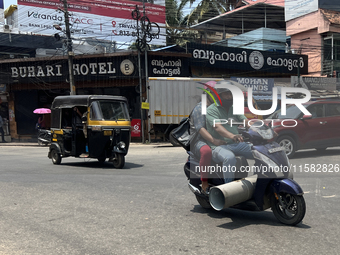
point(106, 20)
point(298, 8)
point(314, 83)
point(215, 56)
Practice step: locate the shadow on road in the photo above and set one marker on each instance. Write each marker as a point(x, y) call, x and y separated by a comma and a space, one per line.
point(99, 165)
point(241, 218)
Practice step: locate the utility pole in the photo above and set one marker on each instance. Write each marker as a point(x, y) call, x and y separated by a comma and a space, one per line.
point(69, 48)
point(147, 80)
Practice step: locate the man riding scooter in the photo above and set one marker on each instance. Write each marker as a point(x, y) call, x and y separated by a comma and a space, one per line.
point(226, 132)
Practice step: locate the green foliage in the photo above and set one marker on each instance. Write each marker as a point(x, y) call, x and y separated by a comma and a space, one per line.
point(178, 25)
point(177, 31)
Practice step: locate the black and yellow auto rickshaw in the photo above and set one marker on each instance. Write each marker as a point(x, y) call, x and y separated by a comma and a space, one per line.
point(90, 126)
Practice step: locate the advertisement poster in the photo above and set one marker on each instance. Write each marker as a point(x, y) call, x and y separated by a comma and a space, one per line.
point(314, 83)
point(105, 20)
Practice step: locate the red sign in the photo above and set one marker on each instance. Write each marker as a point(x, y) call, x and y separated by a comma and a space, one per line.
point(136, 128)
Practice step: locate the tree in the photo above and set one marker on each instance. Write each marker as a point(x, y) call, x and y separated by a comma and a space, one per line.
point(207, 9)
point(177, 23)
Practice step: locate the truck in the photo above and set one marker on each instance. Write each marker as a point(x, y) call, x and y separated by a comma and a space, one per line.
point(172, 99)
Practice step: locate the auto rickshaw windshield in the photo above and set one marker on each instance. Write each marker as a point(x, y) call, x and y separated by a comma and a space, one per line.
point(108, 110)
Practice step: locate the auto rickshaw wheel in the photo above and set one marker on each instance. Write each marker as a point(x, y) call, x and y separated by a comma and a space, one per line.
point(56, 157)
point(119, 161)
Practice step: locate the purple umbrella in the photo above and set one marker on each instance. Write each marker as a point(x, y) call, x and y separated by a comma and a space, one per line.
point(42, 111)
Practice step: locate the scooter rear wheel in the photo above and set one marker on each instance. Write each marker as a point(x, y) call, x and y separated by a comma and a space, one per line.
point(203, 202)
point(288, 209)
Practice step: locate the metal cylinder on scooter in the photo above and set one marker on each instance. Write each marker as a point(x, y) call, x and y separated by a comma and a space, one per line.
point(232, 193)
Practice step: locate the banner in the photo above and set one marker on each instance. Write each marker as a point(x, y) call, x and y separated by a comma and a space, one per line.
point(105, 20)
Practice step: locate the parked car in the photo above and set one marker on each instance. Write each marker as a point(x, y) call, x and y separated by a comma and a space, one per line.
point(317, 131)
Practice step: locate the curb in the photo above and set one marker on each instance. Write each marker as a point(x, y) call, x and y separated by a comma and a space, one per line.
point(31, 144)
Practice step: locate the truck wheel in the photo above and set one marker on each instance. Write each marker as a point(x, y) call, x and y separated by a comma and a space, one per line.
point(289, 145)
point(119, 161)
point(56, 157)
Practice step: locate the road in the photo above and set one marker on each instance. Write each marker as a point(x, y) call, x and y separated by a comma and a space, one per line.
point(83, 207)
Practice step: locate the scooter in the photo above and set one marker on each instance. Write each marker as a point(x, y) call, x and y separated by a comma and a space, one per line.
point(268, 183)
point(44, 137)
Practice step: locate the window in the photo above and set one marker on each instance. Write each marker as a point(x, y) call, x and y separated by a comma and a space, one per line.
point(316, 110)
point(108, 110)
point(333, 110)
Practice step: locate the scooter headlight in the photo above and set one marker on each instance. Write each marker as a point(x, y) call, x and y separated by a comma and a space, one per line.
point(266, 134)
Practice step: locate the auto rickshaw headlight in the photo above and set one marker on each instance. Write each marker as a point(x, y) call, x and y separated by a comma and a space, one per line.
point(121, 145)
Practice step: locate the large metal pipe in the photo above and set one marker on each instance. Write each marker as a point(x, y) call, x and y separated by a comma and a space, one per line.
point(232, 193)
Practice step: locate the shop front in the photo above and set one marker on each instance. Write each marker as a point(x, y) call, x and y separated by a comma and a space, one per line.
point(34, 83)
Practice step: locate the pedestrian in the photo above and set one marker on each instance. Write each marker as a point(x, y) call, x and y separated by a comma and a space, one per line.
point(41, 122)
point(2, 130)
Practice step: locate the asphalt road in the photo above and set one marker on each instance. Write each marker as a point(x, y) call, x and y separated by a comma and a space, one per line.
point(83, 207)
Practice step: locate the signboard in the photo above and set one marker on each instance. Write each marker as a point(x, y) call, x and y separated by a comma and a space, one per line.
point(145, 106)
point(247, 60)
point(135, 128)
point(54, 71)
point(257, 84)
point(314, 83)
point(298, 8)
point(106, 20)
point(160, 66)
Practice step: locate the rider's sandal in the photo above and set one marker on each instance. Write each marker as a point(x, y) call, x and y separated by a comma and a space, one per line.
point(205, 192)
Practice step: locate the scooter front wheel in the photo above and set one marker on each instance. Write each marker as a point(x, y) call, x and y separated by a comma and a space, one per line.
point(288, 208)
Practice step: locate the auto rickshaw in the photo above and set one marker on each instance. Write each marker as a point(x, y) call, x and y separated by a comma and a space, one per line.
point(90, 126)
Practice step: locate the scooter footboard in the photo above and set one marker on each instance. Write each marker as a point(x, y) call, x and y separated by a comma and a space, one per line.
point(286, 186)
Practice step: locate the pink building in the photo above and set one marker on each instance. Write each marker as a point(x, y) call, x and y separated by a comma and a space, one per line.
point(317, 34)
